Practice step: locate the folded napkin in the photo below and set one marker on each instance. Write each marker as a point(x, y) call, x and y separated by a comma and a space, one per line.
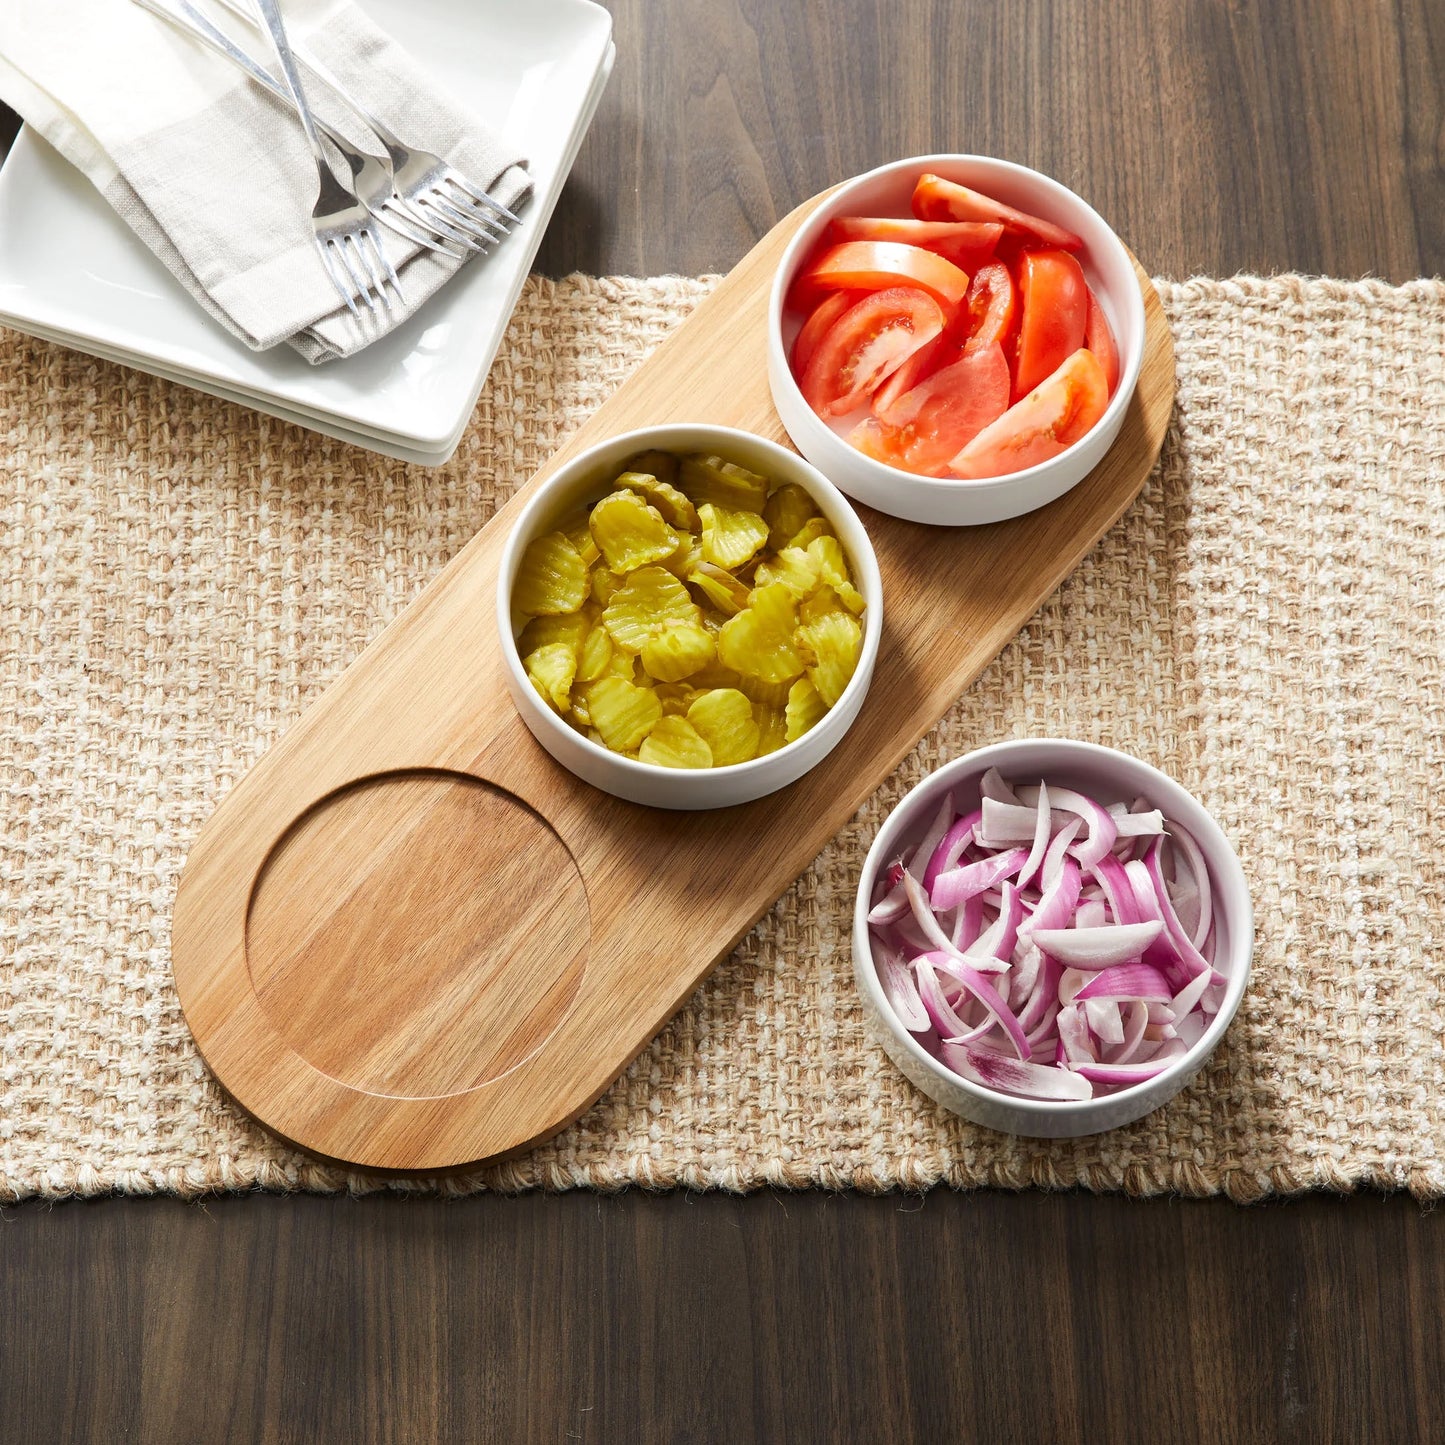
point(214, 174)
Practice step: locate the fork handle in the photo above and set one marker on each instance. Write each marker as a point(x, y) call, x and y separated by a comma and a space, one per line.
point(384, 133)
point(276, 28)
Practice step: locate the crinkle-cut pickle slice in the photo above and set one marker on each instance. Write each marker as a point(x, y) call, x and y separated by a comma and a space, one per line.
point(649, 600)
point(719, 587)
point(675, 743)
point(710, 479)
point(796, 569)
point(675, 507)
point(551, 669)
point(568, 627)
point(787, 512)
point(622, 712)
point(831, 646)
point(552, 577)
point(678, 651)
point(730, 539)
point(630, 532)
point(805, 709)
point(759, 640)
point(724, 718)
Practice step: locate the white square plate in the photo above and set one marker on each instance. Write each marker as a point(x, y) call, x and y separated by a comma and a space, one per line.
point(72, 272)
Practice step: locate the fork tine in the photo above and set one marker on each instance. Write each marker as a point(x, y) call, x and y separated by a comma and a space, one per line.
point(324, 251)
point(358, 278)
point(481, 197)
point(443, 228)
point(386, 266)
point(404, 223)
point(483, 227)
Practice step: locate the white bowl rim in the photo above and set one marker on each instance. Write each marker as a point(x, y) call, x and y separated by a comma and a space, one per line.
point(865, 563)
point(976, 763)
point(1134, 304)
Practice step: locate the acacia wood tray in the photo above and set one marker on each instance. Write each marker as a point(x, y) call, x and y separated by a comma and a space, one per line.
point(409, 940)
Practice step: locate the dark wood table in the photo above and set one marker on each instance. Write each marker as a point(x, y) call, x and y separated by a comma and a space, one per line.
point(1216, 136)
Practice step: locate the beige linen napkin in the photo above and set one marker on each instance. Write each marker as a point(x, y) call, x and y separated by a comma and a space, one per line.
point(214, 174)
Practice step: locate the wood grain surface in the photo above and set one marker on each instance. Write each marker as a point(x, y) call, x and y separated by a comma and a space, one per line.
point(1216, 136)
point(330, 978)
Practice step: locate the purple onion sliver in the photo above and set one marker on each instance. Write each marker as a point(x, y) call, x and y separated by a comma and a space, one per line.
point(1013, 1076)
point(1128, 981)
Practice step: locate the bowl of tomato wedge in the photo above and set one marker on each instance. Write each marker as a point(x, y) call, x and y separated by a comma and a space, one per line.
point(954, 339)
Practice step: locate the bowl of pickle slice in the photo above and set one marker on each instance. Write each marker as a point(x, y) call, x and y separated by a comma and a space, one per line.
point(689, 616)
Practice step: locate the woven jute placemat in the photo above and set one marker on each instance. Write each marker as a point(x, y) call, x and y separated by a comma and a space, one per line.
point(181, 577)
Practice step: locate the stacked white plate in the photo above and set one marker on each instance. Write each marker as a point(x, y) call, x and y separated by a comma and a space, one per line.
point(73, 273)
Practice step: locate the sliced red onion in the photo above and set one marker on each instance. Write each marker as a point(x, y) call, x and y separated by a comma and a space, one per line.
point(1115, 883)
point(924, 917)
point(1104, 1019)
point(1006, 824)
point(1136, 1020)
point(993, 786)
point(1193, 959)
point(989, 997)
point(1096, 947)
point(893, 904)
point(1035, 860)
point(1074, 1035)
point(998, 944)
point(1120, 1073)
point(950, 848)
point(1139, 825)
point(923, 853)
point(1102, 829)
point(968, 924)
point(1091, 913)
point(1128, 981)
point(900, 989)
point(1012, 1076)
point(960, 884)
point(1057, 851)
point(1194, 858)
point(1057, 905)
point(940, 1011)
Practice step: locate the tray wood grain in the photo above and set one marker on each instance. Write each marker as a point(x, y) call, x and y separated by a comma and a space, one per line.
point(409, 940)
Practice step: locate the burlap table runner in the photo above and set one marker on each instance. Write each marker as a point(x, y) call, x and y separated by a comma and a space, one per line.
point(181, 577)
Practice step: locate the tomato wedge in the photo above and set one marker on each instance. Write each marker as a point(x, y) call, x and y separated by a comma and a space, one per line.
point(872, 265)
point(992, 306)
point(928, 425)
point(935, 199)
point(1056, 305)
point(1099, 338)
point(1049, 420)
point(924, 362)
point(869, 341)
point(968, 244)
point(824, 314)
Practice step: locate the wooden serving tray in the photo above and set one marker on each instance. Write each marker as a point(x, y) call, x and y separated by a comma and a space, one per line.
point(410, 940)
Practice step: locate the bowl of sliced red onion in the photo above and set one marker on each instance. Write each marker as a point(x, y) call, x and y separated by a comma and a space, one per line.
point(1051, 937)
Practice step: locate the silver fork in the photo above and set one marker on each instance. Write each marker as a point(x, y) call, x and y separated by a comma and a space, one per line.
point(435, 189)
point(371, 175)
point(342, 225)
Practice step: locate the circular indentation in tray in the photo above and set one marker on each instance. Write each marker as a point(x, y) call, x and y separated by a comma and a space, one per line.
point(417, 934)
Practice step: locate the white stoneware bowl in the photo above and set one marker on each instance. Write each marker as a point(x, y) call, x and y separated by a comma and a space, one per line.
point(946, 501)
point(587, 475)
point(1109, 776)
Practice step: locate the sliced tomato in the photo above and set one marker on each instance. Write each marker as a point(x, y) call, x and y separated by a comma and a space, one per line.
point(923, 363)
point(928, 425)
point(935, 199)
point(1099, 338)
point(868, 342)
point(1049, 420)
point(1056, 305)
point(824, 314)
point(991, 307)
point(873, 265)
point(968, 244)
